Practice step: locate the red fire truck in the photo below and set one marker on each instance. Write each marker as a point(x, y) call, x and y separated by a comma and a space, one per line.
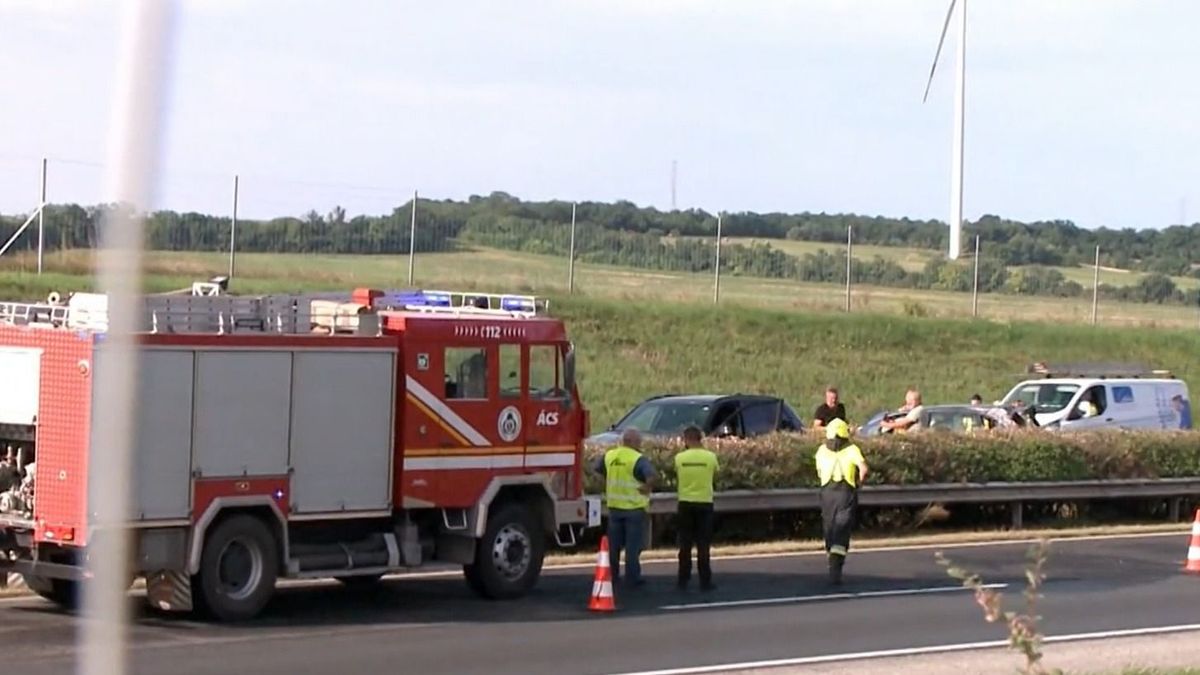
point(292, 436)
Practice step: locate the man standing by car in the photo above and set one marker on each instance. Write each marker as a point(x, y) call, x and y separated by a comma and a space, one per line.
point(911, 414)
point(840, 469)
point(629, 477)
point(696, 468)
point(831, 409)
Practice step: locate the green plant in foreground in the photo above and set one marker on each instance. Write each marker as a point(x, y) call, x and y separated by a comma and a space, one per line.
point(1024, 632)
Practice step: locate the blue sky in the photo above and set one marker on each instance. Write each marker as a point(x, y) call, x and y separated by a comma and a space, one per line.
point(1079, 110)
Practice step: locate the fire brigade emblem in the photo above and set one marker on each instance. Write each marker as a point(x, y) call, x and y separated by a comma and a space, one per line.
point(509, 423)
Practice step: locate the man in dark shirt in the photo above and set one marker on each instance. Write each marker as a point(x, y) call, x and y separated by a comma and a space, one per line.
point(831, 409)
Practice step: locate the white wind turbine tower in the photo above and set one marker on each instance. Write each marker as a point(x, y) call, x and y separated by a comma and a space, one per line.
point(956, 163)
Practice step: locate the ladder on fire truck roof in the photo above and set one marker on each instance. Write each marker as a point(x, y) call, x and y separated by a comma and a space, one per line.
point(206, 309)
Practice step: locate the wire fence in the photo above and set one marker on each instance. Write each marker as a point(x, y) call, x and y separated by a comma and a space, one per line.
point(247, 227)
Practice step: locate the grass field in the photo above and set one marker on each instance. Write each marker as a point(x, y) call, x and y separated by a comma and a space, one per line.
point(915, 259)
point(641, 333)
point(490, 269)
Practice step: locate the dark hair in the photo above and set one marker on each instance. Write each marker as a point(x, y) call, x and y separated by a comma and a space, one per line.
point(692, 434)
point(831, 390)
point(976, 397)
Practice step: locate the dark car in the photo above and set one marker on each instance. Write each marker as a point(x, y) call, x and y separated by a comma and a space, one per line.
point(736, 416)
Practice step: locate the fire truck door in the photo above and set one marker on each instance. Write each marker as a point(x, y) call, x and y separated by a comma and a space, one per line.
point(548, 440)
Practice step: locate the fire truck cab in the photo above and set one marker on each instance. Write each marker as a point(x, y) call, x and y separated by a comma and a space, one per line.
point(336, 436)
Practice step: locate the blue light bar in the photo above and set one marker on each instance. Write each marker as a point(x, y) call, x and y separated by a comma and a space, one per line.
point(421, 299)
point(511, 303)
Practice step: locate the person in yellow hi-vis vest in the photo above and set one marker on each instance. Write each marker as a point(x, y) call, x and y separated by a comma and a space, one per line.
point(628, 480)
point(696, 468)
point(841, 468)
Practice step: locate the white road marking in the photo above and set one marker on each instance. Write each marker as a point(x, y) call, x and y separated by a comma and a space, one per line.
point(827, 596)
point(914, 651)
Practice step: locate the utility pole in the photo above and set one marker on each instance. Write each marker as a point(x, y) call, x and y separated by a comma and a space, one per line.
point(42, 218)
point(412, 239)
point(717, 278)
point(1096, 286)
point(849, 259)
point(233, 228)
point(975, 284)
point(571, 264)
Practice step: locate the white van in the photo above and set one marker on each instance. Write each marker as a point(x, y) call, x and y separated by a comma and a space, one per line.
point(1091, 402)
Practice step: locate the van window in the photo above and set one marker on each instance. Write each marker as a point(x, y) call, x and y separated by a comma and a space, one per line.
point(1046, 397)
point(1122, 394)
point(1092, 403)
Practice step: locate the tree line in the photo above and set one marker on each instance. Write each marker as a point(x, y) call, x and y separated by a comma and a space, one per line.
point(622, 233)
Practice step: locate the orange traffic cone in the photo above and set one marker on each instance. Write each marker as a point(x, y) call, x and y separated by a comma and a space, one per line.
point(602, 587)
point(1193, 559)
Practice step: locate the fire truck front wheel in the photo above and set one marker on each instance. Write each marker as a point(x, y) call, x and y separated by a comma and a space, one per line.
point(237, 569)
point(508, 559)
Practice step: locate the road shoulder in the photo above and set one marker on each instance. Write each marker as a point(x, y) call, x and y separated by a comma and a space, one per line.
point(1109, 655)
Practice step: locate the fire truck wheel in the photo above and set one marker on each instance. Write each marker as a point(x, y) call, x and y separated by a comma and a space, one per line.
point(237, 569)
point(62, 592)
point(508, 559)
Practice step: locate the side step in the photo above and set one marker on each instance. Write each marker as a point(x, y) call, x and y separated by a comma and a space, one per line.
point(368, 556)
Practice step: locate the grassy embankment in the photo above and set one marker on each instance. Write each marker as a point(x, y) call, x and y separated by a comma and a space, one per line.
point(672, 339)
point(914, 260)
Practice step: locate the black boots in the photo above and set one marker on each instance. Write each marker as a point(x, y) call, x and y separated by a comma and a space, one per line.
point(835, 568)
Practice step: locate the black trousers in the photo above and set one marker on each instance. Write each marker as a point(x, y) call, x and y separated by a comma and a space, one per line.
point(839, 506)
point(695, 529)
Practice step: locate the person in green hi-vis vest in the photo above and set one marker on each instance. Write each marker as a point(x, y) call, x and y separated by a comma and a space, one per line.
point(841, 469)
point(628, 480)
point(696, 468)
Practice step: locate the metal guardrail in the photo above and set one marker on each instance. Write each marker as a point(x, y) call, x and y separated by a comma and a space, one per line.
point(1014, 494)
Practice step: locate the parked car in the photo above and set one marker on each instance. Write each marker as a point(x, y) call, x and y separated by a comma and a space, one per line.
point(953, 418)
point(735, 415)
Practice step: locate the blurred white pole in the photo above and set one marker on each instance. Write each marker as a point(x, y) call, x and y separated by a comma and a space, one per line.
point(571, 264)
point(133, 160)
point(1096, 286)
point(412, 239)
point(975, 284)
point(717, 278)
point(956, 161)
point(233, 228)
point(41, 218)
point(849, 258)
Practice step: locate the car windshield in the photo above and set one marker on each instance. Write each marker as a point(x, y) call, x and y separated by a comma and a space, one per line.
point(1047, 397)
point(665, 417)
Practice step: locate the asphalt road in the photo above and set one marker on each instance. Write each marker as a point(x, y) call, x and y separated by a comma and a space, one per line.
point(763, 609)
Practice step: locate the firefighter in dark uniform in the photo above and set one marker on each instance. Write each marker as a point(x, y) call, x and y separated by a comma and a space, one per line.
point(841, 469)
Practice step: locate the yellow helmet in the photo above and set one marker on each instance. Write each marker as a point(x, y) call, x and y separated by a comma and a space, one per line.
point(837, 428)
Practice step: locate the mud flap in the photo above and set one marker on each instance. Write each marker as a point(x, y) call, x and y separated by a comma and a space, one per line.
point(169, 590)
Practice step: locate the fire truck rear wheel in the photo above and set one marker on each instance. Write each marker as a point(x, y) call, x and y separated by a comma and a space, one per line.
point(508, 559)
point(63, 592)
point(237, 569)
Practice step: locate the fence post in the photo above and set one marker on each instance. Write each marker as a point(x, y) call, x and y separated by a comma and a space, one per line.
point(233, 228)
point(1096, 286)
point(717, 278)
point(41, 218)
point(571, 263)
point(975, 284)
point(849, 259)
point(412, 239)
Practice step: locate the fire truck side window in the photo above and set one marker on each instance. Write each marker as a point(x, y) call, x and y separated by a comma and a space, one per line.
point(545, 372)
point(510, 371)
point(466, 373)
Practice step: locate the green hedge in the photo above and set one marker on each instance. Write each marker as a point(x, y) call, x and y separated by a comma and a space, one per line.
point(785, 461)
